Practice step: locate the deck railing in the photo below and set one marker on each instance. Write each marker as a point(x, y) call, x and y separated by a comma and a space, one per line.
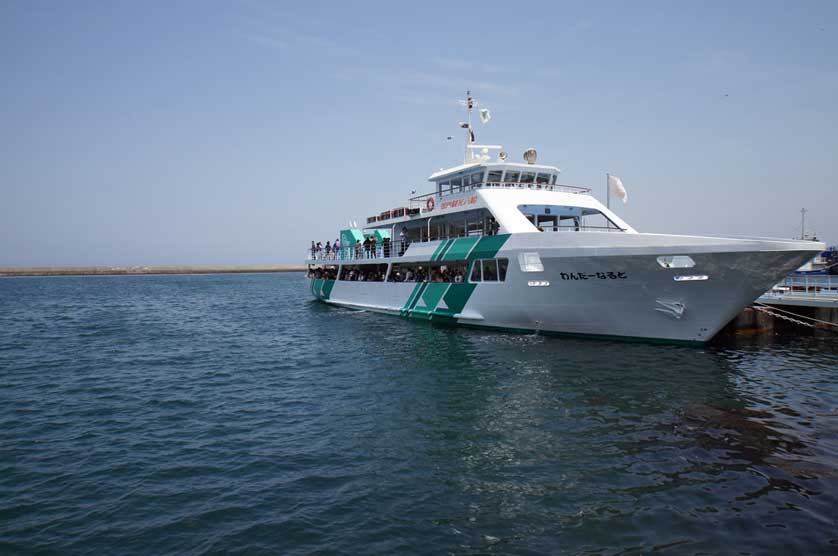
point(420, 200)
point(802, 286)
point(580, 228)
point(358, 253)
point(562, 188)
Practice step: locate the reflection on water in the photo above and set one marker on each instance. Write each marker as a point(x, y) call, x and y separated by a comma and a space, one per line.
point(228, 413)
point(593, 441)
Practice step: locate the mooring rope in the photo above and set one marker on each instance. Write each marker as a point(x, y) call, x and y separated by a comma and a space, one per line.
point(771, 311)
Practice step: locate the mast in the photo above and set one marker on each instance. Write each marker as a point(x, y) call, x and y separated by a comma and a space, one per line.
point(469, 104)
point(803, 223)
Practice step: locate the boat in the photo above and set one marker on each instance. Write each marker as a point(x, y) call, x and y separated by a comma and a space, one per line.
point(823, 264)
point(504, 245)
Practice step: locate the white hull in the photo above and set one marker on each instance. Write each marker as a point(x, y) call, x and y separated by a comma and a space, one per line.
point(625, 292)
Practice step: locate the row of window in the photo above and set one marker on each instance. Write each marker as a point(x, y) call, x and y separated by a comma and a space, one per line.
point(463, 183)
point(456, 184)
point(483, 270)
point(489, 270)
point(516, 176)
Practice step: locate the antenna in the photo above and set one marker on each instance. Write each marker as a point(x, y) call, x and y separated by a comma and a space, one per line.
point(485, 115)
point(803, 212)
point(469, 104)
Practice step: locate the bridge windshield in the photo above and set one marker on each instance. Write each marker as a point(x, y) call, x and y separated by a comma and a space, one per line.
point(557, 218)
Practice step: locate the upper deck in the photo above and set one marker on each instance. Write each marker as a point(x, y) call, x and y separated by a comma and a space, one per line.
point(474, 209)
point(452, 184)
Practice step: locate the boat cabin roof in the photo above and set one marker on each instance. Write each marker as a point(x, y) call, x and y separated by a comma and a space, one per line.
point(464, 169)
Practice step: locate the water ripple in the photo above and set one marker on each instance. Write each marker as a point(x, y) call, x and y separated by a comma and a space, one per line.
point(230, 414)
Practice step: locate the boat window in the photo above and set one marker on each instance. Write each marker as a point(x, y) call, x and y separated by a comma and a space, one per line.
point(363, 272)
point(476, 178)
point(325, 272)
point(443, 187)
point(542, 178)
point(490, 270)
point(527, 177)
point(493, 270)
point(530, 262)
point(512, 176)
point(495, 176)
point(676, 261)
point(456, 185)
point(556, 218)
point(553, 179)
point(449, 272)
point(475, 272)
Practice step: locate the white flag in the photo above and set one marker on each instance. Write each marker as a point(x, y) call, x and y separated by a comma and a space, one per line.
point(485, 115)
point(615, 185)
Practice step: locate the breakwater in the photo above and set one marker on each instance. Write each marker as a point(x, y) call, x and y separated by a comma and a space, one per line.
point(139, 270)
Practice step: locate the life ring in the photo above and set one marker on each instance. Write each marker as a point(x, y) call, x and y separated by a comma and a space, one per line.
point(429, 205)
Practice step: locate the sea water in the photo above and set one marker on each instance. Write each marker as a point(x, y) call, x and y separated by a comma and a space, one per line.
point(230, 414)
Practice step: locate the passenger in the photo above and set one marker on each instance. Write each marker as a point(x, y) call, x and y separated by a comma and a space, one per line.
point(494, 227)
point(386, 247)
point(403, 241)
point(336, 248)
point(366, 247)
point(358, 248)
point(372, 247)
point(328, 250)
point(313, 250)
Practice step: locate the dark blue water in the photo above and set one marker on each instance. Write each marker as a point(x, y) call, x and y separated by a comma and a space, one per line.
point(231, 415)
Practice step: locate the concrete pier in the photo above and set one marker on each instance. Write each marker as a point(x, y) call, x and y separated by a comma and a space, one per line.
point(140, 270)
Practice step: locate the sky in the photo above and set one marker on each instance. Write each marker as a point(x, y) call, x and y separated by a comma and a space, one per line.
point(203, 132)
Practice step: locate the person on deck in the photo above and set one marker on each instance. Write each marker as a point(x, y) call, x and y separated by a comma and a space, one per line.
point(403, 241)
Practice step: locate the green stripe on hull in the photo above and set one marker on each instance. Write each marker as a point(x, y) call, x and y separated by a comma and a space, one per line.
point(438, 301)
point(327, 288)
point(321, 288)
point(430, 298)
point(459, 249)
point(439, 249)
point(488, 247)
point(414, 297)
point(445, 250)
point(455, 299)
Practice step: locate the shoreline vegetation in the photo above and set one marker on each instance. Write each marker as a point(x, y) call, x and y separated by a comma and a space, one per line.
point(141, 270)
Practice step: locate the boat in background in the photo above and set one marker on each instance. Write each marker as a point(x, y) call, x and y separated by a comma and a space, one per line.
point(824, 263)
